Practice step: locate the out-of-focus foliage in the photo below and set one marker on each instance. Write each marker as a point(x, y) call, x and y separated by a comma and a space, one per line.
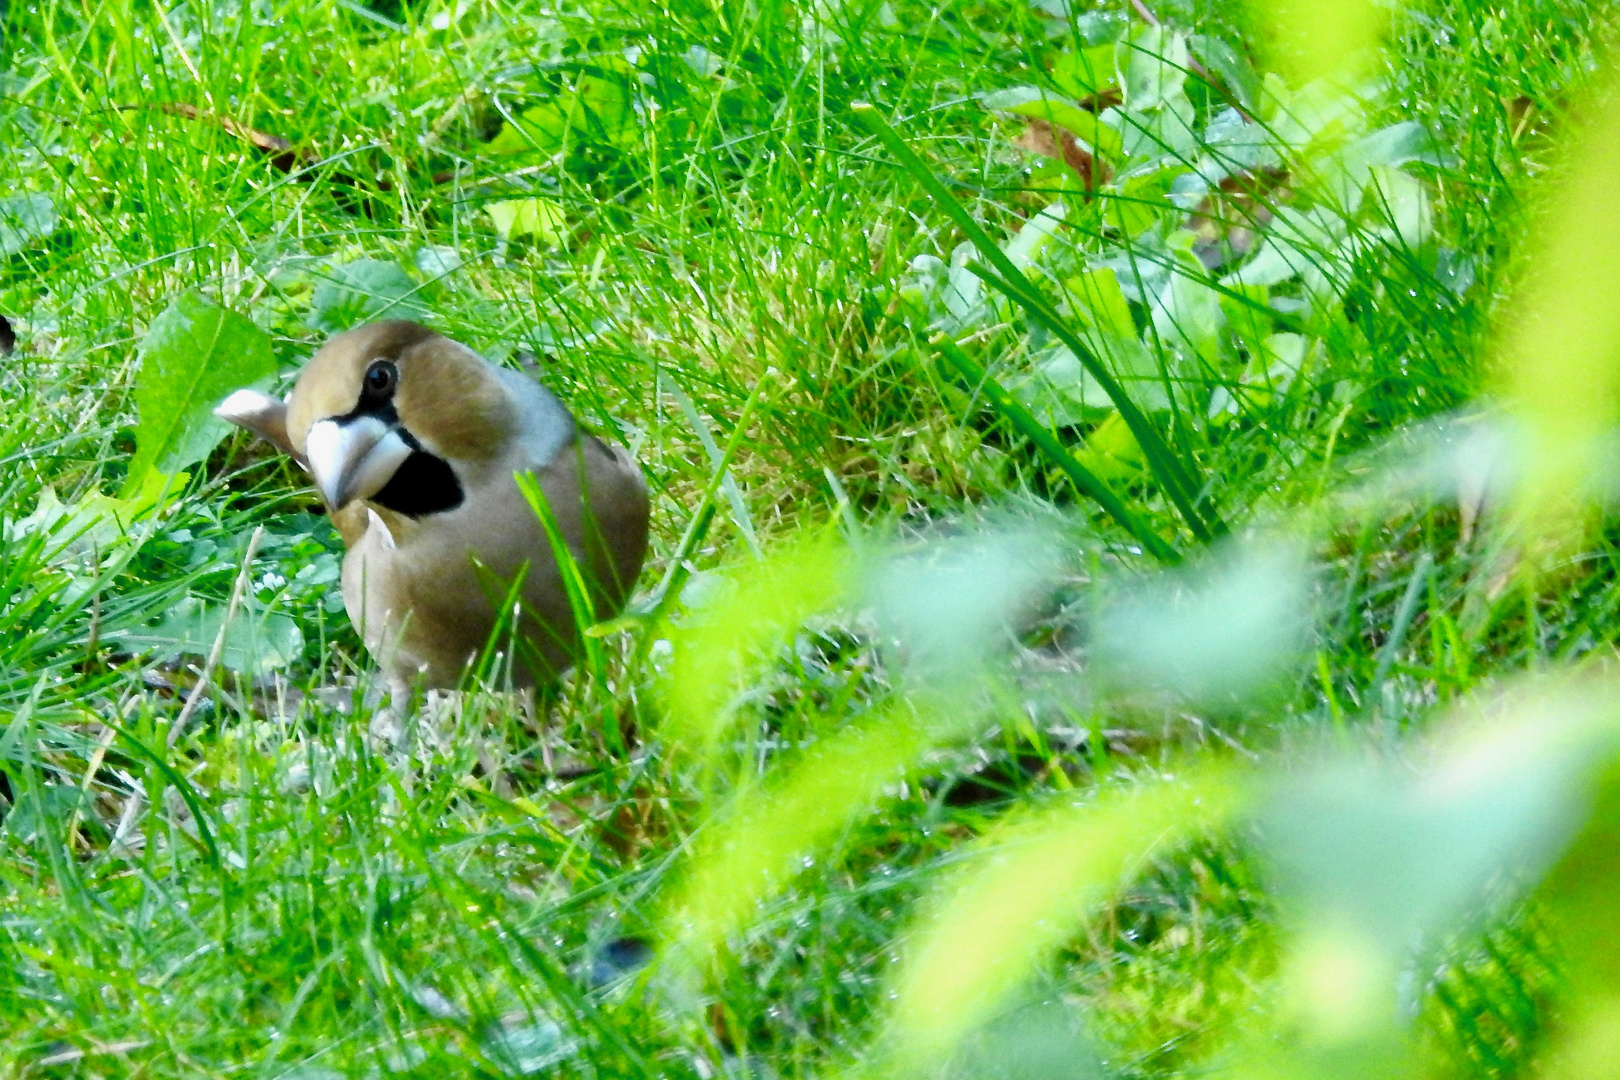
point(1370, 862)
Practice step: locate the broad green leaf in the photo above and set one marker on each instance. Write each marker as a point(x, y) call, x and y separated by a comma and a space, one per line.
point(1233, 145)
point(438, 261)
point(1455, 270)
point(1035, 234)
point(1058, 391)
point(542, 219)
point(1295, 242)
point(1141, 202)
point(1168, 131)
point(1111, 451)
point(1228, 66)
point(1156, 67)
point(604, 110)
point(193, 356)
point(1249, 316)
point(95, 523)
point(540, 128)
point(49, 805)
point(1136, 367)
point(1061, 392)
point(256, 642)
point(1320, 110)
point(1187, 313)
point(1271, 370)
point(597, 111)
point(1099, 303)
point(24, 221)
point(964, 291)
point(360, 291)
point(1402, 200)
point(1086, 73)
point(1347, 174)
point(703, 63)
point(1275, 97)
point(1403, 144)
point(523, 1049)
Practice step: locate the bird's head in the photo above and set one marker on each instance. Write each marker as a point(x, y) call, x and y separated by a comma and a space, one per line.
point(392, 413)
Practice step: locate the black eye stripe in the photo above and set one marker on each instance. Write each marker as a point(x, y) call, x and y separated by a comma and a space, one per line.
point(377, 387)
point(381, 408)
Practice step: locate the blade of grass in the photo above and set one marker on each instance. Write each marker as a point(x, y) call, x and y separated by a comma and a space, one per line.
point(728, 483)
point(697, 526)
point(1025, 423)
point(573, 577)
point(1177, 479)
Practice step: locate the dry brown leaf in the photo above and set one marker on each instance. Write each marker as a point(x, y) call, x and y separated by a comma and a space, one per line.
point(1044, 138)
point(283, 155)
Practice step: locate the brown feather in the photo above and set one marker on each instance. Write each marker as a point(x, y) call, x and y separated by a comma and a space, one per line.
point(451, 402)
point(424, 592)
point(422, 606)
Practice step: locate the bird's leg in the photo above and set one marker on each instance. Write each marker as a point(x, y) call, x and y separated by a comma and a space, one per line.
point(399, 694)
point(393, 716)
point(528, 706)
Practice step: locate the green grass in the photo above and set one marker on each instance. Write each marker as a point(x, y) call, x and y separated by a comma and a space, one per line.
point(290, 893)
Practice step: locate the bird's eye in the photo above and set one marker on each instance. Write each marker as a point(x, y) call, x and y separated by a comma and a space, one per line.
point(381, 377)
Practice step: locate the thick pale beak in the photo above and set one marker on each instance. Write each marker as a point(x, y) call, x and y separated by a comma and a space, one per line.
point(353, 459)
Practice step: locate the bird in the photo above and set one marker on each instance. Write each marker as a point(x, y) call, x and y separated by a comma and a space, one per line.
point(415, 443)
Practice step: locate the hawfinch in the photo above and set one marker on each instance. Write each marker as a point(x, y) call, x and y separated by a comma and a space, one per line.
point(414, 441)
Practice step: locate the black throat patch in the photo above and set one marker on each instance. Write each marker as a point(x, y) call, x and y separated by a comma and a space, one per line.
point(424, 483)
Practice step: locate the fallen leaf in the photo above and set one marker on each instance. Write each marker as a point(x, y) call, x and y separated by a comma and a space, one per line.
point(540, 218)
point(1049, 140)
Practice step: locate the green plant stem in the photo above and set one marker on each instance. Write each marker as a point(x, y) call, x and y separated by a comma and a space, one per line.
point(1176, 478)
point(697, 527)
point(1008, 408)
